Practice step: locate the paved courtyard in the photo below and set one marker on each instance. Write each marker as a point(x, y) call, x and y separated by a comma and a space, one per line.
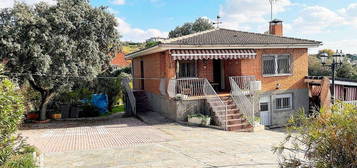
point(127, 142)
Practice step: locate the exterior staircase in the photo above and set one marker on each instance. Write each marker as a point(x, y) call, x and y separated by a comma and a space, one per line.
point(142, 102)
point(235, 119)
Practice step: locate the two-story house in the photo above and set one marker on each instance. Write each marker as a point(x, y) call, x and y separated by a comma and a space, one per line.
point(228, 74)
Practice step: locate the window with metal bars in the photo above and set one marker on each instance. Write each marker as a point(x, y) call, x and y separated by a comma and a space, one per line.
point(283, 102)
point(187, 69)
point(276, 65)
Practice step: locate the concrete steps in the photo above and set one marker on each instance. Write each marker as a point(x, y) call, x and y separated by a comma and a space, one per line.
point(142, 102)
point(235, 119)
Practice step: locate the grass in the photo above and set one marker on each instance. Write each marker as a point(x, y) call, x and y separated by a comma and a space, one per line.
point(116, 109)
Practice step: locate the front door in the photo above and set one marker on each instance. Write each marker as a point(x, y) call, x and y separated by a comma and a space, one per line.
point(265, 111)
point(217, 75)
point(142, 74)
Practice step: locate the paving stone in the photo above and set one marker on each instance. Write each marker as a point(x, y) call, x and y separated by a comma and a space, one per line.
point(129, 143)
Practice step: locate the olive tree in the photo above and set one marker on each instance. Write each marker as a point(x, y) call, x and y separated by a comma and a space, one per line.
point(201, 24)
point(54, 46)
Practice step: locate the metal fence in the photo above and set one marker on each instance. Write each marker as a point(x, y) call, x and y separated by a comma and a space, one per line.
point(129, 91)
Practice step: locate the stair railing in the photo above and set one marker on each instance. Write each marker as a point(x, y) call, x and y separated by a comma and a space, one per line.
point(216, 104)
point(126, 84)
point(244, 83)
point(241, 100)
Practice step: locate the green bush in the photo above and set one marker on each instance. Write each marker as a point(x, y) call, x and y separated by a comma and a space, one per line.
point(323, 140)
point(20, 161)
point(11, 115)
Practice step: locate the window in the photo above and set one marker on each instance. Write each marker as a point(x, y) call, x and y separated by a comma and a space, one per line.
point(187, 69)
point(283, 102)
point(264, 106)
point(276, 65)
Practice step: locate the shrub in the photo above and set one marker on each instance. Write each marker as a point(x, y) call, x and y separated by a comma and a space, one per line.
point(20, 161)
point(325, 139)
point(11, 115)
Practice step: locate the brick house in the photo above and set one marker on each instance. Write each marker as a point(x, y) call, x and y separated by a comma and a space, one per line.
point(119, 61)
point(233, 76)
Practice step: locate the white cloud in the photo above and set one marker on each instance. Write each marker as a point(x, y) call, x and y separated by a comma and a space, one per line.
point(347, 46)
point(350, 14)
point(119, 2)
point(316, 19)
point(135, 34)
point(238, 14)
point(6, 4)
point(10, 3)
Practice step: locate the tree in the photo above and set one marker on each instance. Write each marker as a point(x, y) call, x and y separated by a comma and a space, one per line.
point(347, 71)
point(53, 47)
point(201, 24)
point(328, 51)
point(315, 67)
point(325, 139)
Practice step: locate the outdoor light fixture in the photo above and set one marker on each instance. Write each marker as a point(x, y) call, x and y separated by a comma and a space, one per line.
point(337, 60)
point(338, 57)
point(277, 86)
point(323, 57)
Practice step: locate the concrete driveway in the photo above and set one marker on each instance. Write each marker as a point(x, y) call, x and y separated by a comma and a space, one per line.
point(131, 143)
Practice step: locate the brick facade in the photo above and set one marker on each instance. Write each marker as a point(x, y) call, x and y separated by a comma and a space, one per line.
point(205, 69)
point(156, 66)
point(160, 65)
point(294, 81)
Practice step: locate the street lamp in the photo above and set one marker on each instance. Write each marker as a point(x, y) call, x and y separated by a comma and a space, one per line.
point(337, 60)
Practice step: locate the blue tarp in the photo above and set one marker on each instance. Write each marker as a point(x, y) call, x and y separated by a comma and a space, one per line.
point(101, 102)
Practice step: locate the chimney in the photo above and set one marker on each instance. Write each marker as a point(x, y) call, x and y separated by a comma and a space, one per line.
point(276, 27)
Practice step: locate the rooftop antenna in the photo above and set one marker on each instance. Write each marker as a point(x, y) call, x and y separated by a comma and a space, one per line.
point(271, 8)
point(218, 21)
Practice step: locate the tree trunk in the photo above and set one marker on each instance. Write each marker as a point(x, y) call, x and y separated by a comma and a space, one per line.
point(46, 98)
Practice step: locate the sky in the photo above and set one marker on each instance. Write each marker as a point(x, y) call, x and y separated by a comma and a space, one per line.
point(334, 22)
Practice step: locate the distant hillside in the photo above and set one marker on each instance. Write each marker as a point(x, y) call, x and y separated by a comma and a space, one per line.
point(129, 47)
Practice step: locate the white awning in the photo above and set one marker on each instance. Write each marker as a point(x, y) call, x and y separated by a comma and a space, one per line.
point(200, 54)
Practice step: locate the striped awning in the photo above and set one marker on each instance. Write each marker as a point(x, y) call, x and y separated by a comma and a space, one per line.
point(193, 54)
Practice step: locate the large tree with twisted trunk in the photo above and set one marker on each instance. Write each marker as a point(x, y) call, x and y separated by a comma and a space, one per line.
point(54, 46)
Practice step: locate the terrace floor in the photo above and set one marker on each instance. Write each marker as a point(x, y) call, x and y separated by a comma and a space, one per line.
point(128, 142)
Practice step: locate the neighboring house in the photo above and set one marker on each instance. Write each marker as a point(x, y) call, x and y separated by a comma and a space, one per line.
point(156, 39)
point(221, 72)
point(345, 91)
point(119, 61)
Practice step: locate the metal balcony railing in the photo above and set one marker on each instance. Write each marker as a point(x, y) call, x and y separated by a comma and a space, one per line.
point(188, 88)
